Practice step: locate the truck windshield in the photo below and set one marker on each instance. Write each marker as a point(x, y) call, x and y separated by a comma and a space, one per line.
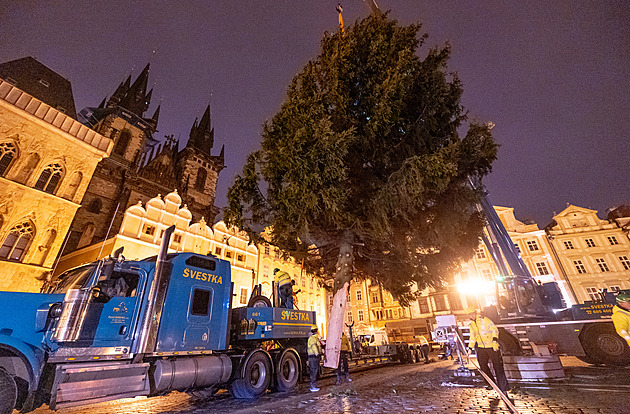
point(72, 279)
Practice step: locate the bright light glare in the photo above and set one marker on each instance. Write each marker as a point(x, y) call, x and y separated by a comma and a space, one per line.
point(476, 287)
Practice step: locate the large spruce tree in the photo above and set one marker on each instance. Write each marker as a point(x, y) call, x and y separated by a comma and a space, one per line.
point(363, 172)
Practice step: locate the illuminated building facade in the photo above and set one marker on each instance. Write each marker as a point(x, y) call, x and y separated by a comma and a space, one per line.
point(47, 159)
point(594, 253)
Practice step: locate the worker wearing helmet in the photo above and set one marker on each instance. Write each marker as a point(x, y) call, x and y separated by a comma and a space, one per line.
point(621, 315)
point(484, 338)
point(284, 284)
point(344, 351)
point(314, 350)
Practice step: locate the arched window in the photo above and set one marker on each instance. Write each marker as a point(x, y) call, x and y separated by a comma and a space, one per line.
point(49, 178)
point(200, 182)
point(17, 241)
point(123, 142)
point(8, 152)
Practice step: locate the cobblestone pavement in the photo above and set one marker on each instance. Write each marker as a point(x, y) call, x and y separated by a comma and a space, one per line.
point(406, 388)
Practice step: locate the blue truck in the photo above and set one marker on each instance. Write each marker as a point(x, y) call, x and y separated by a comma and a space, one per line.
point(118, 329)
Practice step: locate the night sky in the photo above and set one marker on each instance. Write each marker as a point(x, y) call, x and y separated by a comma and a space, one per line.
point(554, 76)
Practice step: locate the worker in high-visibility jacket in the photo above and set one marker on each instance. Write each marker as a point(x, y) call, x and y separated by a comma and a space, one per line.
point(621, 315)
point(314, 351)
point(425, 348)
point(484, 338)
point(344, 352)
point(284, 284)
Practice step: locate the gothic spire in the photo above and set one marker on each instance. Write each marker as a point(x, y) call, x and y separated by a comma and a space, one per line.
point(156, 115)
point(202, 134)
point(135, 97)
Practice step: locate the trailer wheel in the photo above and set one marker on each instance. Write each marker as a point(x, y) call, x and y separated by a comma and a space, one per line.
point(256, 377)
point(8, 392)
point(287, 371)
point(602, 345)
point(259, 301)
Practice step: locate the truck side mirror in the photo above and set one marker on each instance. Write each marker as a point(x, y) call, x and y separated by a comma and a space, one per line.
point(98, 295)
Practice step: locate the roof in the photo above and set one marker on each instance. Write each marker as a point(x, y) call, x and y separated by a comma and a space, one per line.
point(41, 82)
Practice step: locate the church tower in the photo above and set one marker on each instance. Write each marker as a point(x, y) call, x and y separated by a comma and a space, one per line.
point(141, 166)
point(121, 118)
point(198, 170)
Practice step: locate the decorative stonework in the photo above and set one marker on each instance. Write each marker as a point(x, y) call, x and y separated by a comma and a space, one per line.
point(42, 135)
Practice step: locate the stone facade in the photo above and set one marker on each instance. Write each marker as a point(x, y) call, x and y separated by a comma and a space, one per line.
point(594, 253)
point(140, 166)
point(47, 159)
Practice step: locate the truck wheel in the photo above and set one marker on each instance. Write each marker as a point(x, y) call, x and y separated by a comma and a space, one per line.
point(8, 392)
point(602, 345)
point(256, 378)
point(259, 301)
point(287, 371)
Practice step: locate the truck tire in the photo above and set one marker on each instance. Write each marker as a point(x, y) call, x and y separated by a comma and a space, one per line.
point(8, 392)
point(603, 346)
point(259, 301)
point(256, 378)
point(287, 371)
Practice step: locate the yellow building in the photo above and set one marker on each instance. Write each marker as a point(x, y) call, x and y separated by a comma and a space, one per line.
point(371, 307)
point(594, 253)
point(46, 161)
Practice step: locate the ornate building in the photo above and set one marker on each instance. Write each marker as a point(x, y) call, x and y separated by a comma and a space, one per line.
point(139, 166)
point(593, 253)
point(47, 159)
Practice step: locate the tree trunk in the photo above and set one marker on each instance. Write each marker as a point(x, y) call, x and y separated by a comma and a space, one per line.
point(338, 309)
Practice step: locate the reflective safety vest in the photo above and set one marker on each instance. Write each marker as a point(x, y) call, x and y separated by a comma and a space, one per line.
point(345, 343)
point(482, 330)
point(423, 341)
point(621, 320)
point(281, 278)
point(314, 346)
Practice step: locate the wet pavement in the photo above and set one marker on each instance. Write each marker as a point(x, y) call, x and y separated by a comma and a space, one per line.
point(417, 388)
